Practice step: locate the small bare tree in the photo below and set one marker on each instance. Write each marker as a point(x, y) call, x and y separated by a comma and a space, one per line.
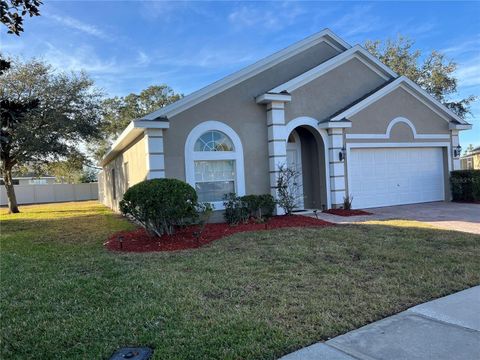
point(288, 188)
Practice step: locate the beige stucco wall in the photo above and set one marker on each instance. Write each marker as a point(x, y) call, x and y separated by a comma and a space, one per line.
point(470, 162)
point(135, 156)
point(236, 107)
point(374, 119)
point(333, 91)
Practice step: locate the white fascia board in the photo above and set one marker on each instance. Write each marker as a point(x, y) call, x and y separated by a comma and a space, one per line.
point(267, 98)
point(453, 126)
point(131, 132)
point(410, 87)
point(217, 87)
point(357, 52)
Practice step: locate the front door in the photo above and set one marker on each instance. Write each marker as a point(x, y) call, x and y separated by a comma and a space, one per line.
point(294, 161)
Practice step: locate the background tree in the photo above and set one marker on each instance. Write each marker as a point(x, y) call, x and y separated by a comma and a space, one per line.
point(434, 72)
point(117, 112)
point(66, 112)
point(12, 13)
point(12, 112)
point(469, 149)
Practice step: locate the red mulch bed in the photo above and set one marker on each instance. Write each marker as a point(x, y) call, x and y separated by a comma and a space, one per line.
point(140, 241)
point(343, 212)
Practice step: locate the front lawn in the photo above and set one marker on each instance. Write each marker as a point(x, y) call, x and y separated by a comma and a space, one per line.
point(251, 295)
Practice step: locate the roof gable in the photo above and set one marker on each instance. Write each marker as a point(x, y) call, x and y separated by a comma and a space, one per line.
point(217, 87)
point(356, 52)
point(409, 86)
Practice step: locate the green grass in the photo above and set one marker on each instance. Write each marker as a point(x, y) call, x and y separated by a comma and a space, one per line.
point(252, 295)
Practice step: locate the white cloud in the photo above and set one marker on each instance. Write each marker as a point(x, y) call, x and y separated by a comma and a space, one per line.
point(357, 22)
point(143, 59)
point(468, 72)
point(80, 26)
point(274, 17)
point(470, 45)
point(79, 58)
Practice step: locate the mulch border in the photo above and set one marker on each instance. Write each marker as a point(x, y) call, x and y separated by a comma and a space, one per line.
point(139, 240)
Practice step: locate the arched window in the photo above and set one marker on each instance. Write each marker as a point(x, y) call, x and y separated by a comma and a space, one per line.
point(214, 140)
point(214, 162)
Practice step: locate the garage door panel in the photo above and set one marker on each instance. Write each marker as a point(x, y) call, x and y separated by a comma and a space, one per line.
point(394, 176)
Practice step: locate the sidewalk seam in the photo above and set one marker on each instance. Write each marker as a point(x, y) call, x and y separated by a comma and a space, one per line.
point(412, 312)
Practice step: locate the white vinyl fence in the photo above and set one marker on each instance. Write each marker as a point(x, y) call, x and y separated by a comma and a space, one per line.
point(47, 193)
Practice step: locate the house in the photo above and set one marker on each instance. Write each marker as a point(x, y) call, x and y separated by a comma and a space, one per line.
point(471, 160)
point(333, 111)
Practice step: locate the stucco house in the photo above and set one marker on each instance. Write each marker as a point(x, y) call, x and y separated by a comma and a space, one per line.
point(349, 123)
point(471, 160)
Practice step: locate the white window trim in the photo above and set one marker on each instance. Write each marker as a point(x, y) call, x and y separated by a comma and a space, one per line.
point(237, 155)
point(389, 130)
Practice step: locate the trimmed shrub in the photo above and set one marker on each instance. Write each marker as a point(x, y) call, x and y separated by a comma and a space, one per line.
point(239, 209)
point(236, 210)
point(161, 204)
point(465, 185)
point(260, 207)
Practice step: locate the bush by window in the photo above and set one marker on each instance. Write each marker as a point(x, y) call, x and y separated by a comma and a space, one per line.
point(236, 210)
point(465, 185)
point(239, 209)
point(161, 204)
point(260, 207)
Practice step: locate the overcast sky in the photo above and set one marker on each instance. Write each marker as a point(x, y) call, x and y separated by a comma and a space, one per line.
point(128, 45)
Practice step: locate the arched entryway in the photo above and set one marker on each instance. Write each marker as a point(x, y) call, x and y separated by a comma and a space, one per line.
point(307, 152)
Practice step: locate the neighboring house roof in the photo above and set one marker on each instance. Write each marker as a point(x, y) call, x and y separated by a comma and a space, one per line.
point(217, 87)
point(475, 151)
point(415, 90)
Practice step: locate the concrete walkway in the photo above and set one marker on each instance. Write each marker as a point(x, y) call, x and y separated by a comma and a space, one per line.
point(441, 214)
point(444, 329)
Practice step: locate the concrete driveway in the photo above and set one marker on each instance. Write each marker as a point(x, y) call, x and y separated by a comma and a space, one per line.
point(442, 214)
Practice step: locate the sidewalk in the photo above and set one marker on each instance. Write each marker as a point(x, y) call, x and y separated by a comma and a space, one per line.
point(447, 328)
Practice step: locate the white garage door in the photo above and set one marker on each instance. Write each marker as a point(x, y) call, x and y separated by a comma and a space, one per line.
point(394, 176)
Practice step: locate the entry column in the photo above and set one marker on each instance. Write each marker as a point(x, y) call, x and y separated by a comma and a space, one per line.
point(277, 141)
point(336, 153)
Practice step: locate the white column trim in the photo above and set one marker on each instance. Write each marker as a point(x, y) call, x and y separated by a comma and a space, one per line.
point(154, 153)
point(390, 126)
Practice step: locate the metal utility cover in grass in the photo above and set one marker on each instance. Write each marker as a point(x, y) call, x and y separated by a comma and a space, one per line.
point(132, 353)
